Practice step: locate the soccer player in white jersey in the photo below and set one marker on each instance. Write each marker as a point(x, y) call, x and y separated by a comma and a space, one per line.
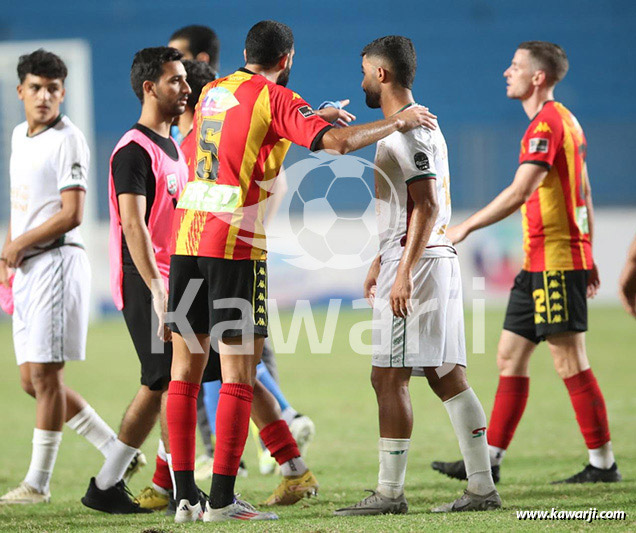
point(49, 165)
point(415, 287)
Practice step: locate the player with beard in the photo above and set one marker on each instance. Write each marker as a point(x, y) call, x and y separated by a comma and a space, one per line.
point(244, 125)
point(416, 266)
point(147, 174)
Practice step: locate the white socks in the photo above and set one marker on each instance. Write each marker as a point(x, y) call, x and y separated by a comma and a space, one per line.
point(469, 422)
point(393, 458)
point(294, 467)
point(496, 455)
point(161, 453)
point(288, 414)
point(45, 446)
point(602, 457)
point(115, 465)
point(92, 427)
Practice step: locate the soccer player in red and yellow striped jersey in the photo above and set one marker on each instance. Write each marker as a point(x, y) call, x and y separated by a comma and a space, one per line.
point(548, 299)
point(244, 125)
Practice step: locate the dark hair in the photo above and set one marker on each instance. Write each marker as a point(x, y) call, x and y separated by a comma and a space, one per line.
point(551, 58)
point(199, 75)
point(41, 63)
point(200, 39)
point(268, 41)
point(148, 66)
point(399, 52)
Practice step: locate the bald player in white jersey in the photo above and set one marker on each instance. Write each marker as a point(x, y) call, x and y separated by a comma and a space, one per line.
point(51, 288)
point(415, 288)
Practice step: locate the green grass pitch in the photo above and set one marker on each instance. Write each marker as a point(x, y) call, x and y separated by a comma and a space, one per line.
point(334, 390)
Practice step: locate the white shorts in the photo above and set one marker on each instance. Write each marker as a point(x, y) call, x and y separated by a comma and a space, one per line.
point(51, 294)
point(433, 334)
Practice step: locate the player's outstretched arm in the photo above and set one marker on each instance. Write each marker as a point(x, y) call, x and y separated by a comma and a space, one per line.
point(425, 210)
point(627, 281)
point(67, 218)
point(345, 140)
point(527, 179)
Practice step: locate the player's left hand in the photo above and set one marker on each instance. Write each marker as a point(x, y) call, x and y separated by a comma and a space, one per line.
point(456, 234)
point(400, 297)
point(593, 282)
point(337, 115)
point(13, 254)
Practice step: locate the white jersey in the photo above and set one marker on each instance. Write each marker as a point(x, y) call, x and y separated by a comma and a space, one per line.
point(404, 158)
point(42, 166)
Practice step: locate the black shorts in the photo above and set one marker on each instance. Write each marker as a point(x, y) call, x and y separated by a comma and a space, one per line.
point(155, 367)
point(199, 284)
point(544, 303)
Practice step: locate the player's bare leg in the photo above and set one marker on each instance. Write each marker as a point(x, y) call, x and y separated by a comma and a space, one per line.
point(140, 417)
point(391, 386)
point(513, 357)
point(572, 365)
point(46, 381)
point(79, 416)
point(298, 481)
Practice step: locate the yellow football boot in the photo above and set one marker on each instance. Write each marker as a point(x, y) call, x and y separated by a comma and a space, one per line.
point(292, 489)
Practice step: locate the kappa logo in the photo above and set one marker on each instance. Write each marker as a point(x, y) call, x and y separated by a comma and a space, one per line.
point(542, 127)
point(538, 145)
point(306, 111)
point(171, 183)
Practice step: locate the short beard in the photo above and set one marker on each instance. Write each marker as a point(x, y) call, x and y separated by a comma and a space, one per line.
point(372, 99)
point(283, 77)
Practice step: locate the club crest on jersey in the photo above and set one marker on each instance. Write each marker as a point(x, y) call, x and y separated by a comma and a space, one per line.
point(542, 127)
point(537, 145)
point(306, 111)
point(421, 161)
point(217, 100)
point(171, 182)
point(76, 172)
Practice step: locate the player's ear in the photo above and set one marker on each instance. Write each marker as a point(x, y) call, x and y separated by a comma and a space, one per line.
point(245, 55)
point(539, 77)
point(203, 56)
point(63, 94)
point(148, 87)
point(381, 74)
point(282, 62)
point(20, 90)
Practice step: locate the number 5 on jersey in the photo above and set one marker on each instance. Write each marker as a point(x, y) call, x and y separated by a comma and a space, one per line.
point(208, 150)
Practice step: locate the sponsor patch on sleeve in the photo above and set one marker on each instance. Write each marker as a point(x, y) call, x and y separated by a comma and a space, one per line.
point(76, 172)
point(538, 145)
point(306, 111)
point(421, 161)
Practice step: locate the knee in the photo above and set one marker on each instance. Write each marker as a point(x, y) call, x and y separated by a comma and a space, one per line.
point(385, 384)
point(567, 366)
point(27, 386)
point(46, 381)
point(509, 364)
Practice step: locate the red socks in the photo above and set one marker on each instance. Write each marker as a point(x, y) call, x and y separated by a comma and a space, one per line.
point(279, 441)
point(232, 426)
point(162, 478)
point(510, 403)
point(589, 406)
point(181, 412)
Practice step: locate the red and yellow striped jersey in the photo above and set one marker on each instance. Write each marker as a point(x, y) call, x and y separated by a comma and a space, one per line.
point(243, 127)
point(555, 225)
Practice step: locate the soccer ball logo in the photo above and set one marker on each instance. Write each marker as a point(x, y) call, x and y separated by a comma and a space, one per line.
point(325, 236)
